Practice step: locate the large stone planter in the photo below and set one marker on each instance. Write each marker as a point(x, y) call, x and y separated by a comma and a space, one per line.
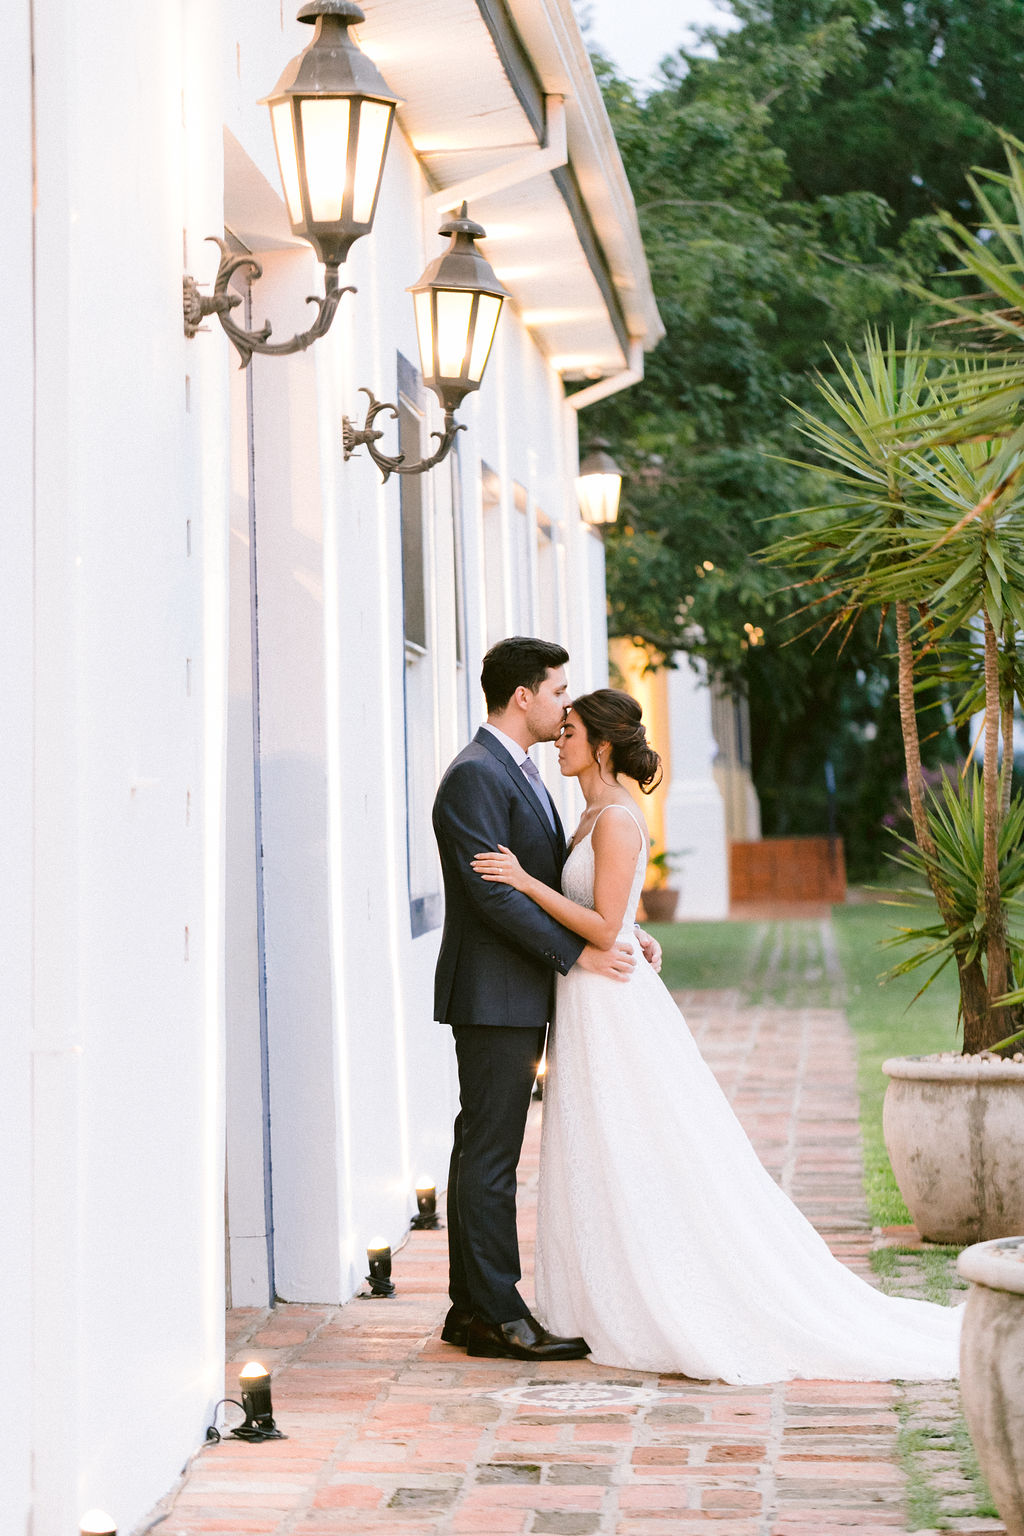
point(992, 1370)
point(954, 1129)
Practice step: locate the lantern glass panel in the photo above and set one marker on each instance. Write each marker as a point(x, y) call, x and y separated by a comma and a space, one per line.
point(425, 332)
point(325, 151)
point(454, 316)
point(287, 158)
point(486, 323)
point(599, 497)
point(374, 121)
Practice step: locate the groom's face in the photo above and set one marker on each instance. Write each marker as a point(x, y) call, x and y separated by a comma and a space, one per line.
point(545, 713)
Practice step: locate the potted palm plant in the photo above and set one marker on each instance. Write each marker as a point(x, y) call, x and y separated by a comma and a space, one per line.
point(660, 899)
point(924, 455)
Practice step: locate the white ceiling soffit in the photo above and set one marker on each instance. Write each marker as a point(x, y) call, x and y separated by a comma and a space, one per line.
point(474, 75)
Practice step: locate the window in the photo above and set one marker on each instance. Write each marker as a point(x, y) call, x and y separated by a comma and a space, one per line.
point(425, 904)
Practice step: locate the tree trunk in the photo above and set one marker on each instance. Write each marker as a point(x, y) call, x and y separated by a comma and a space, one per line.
point(1006, 703)
point(1000, 1020)
point(973, 994)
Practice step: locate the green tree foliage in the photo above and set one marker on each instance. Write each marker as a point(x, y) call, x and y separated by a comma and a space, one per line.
point(789, 188)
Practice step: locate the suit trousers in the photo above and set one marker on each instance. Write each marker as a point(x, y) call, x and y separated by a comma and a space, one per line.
point(497, 1068)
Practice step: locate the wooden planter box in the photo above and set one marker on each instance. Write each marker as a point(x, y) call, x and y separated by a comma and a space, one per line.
point(788, 869)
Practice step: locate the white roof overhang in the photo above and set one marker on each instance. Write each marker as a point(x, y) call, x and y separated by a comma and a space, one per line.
point(481, 82)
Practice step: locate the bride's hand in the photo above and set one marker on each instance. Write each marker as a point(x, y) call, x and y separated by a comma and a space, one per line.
point(502, 868)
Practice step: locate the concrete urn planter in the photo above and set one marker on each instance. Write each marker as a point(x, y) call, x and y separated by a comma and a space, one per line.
point(660, 902)
point(954, 1130)
point(992, 1370)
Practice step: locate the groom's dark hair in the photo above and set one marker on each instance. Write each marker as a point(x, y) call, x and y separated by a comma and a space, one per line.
point(519, 662)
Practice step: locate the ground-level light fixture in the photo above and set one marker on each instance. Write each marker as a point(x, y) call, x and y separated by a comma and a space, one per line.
point(378, 1256)
point(426, 1219)
point(598, 485)
point(457, 301)
point(96, 1522)
point(254, 1385)
point(331, 113)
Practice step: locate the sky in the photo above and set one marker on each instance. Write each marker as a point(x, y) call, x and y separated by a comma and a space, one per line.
point(636, 34)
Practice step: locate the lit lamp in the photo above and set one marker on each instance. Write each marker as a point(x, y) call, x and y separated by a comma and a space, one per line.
point(598, 485)
point(96, 1522)
point(379, 1259)
point(457, 302)
point(254, 1385)
point(425, 1219)
point(331, 113)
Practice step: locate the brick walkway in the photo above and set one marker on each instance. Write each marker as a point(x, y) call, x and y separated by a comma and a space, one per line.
point(390, 1430)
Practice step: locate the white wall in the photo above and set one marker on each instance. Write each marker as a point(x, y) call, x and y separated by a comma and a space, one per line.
point(16, 790)
point(122, 648)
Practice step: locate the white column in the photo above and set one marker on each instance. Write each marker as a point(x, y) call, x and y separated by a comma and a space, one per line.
point(694, 812)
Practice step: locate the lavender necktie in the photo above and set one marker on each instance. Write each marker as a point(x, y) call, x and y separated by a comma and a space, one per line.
point(532, 772)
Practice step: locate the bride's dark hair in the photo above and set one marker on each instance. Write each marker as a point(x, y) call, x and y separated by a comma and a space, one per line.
point(609, 714)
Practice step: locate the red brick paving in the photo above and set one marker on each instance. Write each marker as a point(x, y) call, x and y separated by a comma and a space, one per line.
point(391, 1431)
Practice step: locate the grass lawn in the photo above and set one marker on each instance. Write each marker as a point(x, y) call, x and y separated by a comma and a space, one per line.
point(885, 1025)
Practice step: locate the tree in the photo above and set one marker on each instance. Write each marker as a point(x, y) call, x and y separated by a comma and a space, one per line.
point(765, 236)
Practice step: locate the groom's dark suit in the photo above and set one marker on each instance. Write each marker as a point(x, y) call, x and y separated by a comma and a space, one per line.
point(495, 986)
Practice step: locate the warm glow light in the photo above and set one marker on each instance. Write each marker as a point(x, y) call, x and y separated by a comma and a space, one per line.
point(324, 133)
point(253, 1369)
point(379, 1245)
point(454, 313)
point(424, 329)
point(374, 122)
point(96, 1522)
point(487, 314)
point(287, 159)
point(600, 496)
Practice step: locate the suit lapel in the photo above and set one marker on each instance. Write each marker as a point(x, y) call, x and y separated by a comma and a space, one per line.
point(556, 833)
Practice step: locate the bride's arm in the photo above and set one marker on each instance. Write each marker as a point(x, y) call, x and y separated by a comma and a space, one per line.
point(616, 845)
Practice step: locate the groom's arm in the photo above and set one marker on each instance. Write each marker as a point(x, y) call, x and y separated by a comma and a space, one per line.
point(471, 815)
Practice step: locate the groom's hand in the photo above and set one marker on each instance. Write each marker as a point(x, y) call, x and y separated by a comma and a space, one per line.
point(651, 949)
point(617, 963)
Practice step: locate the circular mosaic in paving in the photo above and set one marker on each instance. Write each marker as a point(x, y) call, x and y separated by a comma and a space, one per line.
point(564, 1397)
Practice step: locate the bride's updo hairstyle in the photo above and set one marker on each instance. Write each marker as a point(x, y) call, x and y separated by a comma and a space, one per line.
point(611, 715)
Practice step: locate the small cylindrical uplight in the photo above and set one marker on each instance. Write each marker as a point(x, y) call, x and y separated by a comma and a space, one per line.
point(96, 1522)
point(541, 1078)
point(254, 1385)
point(425, 1219)
point(378, 1257)
point(457, 302)
point(598, 485)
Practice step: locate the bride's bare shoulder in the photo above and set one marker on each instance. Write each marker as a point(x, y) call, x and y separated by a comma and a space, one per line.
point(617, 828)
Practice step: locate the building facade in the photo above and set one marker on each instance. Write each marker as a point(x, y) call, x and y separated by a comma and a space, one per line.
point(236, 665)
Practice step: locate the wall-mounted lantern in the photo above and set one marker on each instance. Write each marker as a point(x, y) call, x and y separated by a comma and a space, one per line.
point(331, 113)
point(598, 485)
point(458, 300)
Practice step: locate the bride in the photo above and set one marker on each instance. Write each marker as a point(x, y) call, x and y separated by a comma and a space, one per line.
point(661, 1237)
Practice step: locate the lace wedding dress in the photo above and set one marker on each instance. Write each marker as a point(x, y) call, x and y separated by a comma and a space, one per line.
point(661, 1237)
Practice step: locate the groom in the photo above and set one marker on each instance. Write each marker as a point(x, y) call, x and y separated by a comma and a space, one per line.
point(495, 986)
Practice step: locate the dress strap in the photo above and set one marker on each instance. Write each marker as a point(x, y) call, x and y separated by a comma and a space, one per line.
point(616, 806)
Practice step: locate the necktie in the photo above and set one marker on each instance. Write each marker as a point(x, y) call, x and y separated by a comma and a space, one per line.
point(532, 772)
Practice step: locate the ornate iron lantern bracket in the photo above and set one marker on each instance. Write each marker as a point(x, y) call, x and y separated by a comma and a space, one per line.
point(366, 436)
point(220, 303)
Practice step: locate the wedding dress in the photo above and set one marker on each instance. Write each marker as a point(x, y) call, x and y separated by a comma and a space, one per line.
point(661, 1237)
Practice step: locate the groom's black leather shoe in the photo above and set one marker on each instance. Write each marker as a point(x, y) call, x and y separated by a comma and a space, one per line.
point(455, 1329)
point(522, 1339)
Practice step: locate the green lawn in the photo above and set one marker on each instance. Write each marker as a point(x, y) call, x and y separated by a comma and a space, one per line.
point(885, 1024)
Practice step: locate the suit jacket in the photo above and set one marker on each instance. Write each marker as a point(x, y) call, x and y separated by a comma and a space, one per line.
point(499, 951)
